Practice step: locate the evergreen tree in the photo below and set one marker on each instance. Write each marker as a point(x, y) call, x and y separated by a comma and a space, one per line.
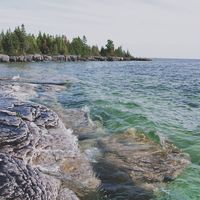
point(21, 37)
point(103, 51)
point(1, 38)
point(84, 40)
point(19, 42)
point(127, 54)
point(110, 48)
point(76, 46)
point(8, 43)
point(119, 52)
point(32, 47)
point(95, 51)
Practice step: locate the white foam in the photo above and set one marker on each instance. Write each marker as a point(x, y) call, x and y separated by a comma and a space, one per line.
point(92, 153)
point(16, 77)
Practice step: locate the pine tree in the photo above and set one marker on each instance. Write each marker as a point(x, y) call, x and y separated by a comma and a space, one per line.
point(20, 33)
point(19, 42)
point(103, 51)
point(95, 51)
point(1, 38)
point(119, 52)
point(110, 48)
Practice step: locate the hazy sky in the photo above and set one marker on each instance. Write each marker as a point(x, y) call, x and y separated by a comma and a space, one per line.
point(151, 28)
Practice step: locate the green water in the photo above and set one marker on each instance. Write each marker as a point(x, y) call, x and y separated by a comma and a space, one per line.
point(160, 96)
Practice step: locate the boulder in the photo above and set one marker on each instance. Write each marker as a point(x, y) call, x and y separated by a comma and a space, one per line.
point(29, 58)
point(100, 58)
point(47, 58)
point(21, 59)
point(91, 58)
point(4, 58)
point(73, 58)
point(68, 58)
point(84, 59)
point(13, 59)
point(115, 59)
point(60, 58)
point(37, 58)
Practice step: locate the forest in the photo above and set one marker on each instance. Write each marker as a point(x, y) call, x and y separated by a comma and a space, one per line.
point(19, 42)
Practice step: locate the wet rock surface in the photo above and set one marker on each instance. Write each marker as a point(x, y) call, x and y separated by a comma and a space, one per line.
point(39, 157)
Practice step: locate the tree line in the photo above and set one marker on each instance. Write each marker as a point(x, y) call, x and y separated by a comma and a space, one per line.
point(19, 42)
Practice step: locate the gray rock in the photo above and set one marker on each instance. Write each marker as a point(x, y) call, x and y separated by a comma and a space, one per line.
point(84, 59)
point(67, 58)
point(13, 130)
point(20, 181)
point(47, 58)
point(60, 58)
point(38, 58)
point(115, 59)
point(13, 58)
point(66, 194)
point(4, 58)
point(73, 58)
point(29, 58)
point(35, 139)
point(21, 59)
point(91, 58)
point(100, 58)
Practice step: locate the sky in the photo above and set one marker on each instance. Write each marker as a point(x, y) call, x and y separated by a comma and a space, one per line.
point(147, 28)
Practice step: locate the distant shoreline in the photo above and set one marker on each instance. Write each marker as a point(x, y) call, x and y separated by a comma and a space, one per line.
point(19, 46)
point(64, 58)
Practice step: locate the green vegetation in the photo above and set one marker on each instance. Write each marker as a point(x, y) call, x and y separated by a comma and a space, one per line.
point(18, 42)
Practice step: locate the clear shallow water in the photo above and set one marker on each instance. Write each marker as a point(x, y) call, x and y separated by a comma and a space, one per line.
point(159, 96)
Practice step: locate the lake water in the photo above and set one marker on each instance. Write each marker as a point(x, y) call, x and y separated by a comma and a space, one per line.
point(160, 96)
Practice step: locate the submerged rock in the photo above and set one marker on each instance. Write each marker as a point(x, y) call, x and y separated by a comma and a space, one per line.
point(130, 164)
point(79, 121)
point(39, 157)
point(147, 163)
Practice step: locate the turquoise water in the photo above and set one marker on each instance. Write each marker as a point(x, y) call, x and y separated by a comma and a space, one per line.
point(160, 96)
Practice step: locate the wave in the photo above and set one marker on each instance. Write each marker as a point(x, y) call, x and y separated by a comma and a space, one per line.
point(153, 135)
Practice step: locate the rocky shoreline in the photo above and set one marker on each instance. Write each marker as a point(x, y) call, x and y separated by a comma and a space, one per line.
point(64, 58)
point(40, 158)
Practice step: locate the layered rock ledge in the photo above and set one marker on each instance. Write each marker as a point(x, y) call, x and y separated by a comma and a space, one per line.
point(39, 157)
